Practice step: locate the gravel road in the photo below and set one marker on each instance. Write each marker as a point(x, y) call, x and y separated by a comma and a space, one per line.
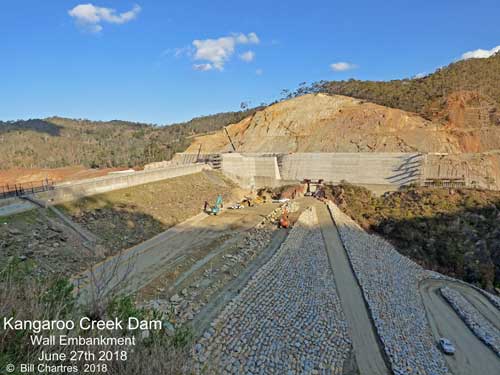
point(368, 353)
point(477, 299)
point(472, 355)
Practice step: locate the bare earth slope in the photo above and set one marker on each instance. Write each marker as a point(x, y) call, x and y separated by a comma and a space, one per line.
point(324, 123)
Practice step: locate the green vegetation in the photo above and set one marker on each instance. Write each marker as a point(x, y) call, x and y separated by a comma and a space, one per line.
point(453, 231)
point(426, 95)
point(59, 142)
point(26, 298)
point(59, 299)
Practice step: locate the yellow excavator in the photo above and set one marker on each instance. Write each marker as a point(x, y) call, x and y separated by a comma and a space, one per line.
point(250, 202)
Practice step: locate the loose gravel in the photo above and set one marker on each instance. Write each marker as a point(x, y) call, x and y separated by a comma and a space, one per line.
point(495, 300)
point(287, 319)
point(390, 287)
point(481, 327)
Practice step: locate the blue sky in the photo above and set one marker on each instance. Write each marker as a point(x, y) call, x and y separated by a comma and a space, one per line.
point(167, 61)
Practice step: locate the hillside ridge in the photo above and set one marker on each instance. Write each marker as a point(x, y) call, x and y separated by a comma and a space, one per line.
point(334, 123)
point(60, 142)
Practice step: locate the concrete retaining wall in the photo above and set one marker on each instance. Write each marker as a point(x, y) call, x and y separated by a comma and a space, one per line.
point(361, 168)
point(388, 169)
point(374, 169)
point(71, 191)
point(182, 158)
point(377, 171)
point(245, 169)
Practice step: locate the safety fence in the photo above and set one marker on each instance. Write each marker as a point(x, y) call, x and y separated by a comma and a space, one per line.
point(25, 188)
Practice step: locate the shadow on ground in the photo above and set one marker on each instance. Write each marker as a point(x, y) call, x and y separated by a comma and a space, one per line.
point(455, 232)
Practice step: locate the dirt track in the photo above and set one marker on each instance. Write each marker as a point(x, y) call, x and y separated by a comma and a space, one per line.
point(472, 356)
point(74, 173)
point(136, 267)
point(368, 353)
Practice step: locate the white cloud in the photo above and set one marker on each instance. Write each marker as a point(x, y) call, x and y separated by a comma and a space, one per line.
point(203, 67)
point(216, 52)
point(480, 53)
point(259, 72)
point(248, 56)
point(91, 17)
point(342, 66)
point(251, 38)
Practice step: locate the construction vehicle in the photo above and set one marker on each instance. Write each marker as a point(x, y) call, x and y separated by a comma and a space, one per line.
point(219, 203)
point(251, 202)
point(312, 186)
point(284, 222)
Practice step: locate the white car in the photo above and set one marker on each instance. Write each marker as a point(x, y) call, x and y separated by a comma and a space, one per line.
point(446, 346)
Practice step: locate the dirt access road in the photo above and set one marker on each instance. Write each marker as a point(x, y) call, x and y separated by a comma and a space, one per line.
point(472, 355)
point(368, 351)
point(138, 266)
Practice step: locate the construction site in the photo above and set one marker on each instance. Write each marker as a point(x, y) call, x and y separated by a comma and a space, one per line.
point(320, 235)
point(264, 188)
point(271, 276)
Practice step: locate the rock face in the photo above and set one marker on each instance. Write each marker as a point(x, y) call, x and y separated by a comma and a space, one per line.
point(324, 123)
point(468, 129)
point(473, 119)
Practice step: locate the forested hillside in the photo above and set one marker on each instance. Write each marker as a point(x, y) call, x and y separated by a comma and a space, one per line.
point(428, 95)
point(452, 231)
point(58, 142)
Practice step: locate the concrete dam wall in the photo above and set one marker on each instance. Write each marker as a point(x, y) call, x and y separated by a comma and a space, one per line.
point(251, 171)
point(361, 168)
point(73, 190)
point(255, 170)
point(384, 170)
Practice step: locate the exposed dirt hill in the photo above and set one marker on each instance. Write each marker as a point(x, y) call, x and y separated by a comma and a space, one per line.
point(324, 123)
point(473, 119)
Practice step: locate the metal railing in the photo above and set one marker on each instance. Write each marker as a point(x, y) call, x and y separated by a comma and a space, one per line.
point(25, 188)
